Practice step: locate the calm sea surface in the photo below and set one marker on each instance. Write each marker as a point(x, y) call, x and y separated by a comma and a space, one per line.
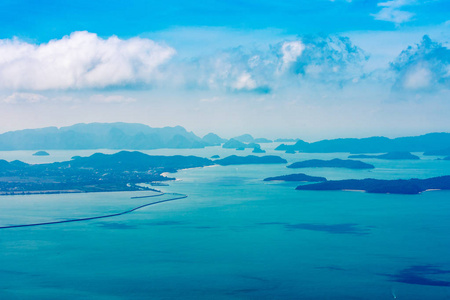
point(234, 237)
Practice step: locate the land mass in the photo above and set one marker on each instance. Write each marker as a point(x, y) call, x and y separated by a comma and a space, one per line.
point(296, 177)
point(99, 172)
point(104, 136)
point(427, 143)
point(122, 171)
point(390, 155)
point(238, 145)
point(334, 163)
point(251, 159)
point(41, 153)
point(400, 186)
point(439, 152)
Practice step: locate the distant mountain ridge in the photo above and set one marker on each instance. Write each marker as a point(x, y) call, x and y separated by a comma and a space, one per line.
point(429, 142)
point(101, 136)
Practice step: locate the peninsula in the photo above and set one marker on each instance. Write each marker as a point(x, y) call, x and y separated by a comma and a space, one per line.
point(122, 171)
point(99, 172)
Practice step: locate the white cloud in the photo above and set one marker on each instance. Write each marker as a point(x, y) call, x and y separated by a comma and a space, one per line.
point(424, 66)
point(17, 98)
point(81, 60)
point(100, 98)
point(392, 11)
point(291, 51)
point(245, 82)
point(418, 78)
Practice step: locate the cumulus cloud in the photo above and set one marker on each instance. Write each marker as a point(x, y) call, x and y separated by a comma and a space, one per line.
point(80, 60)
point(84, 61)
point(330, 59)
point(235, 69)
point(424, 66)
point(291, 51)
point(325, 58)
point(391, 11)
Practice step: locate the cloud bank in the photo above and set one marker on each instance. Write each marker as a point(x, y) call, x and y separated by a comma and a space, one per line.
point(83, 60)
point(307, 59)
point(80, 60)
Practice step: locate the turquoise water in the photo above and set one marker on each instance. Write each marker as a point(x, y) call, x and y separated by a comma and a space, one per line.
point(234, 237)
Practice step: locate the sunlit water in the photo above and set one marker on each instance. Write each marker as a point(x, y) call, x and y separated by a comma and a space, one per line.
point(234, 237)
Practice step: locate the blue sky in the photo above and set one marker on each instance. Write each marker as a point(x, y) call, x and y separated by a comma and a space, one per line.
point(308, 69)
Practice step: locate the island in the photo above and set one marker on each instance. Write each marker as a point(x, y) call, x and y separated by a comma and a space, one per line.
point(290, 151)
point(390, 155)
point(251, 159)
point(104, 136)
point(262, 140)
point(215, 156)
point(334, 163)
point(41, 153)
point(122, 171)
point(399, 186)
point(258, 150)
point(238, 145)
point(296, 177)
point(281, 140)
point(439, 152)
point(213, 139)
point(428, 143)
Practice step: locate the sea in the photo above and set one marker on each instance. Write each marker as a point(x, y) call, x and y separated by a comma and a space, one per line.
point(234, 237)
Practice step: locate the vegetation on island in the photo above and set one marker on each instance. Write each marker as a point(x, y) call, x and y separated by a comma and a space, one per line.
point(391, 155)
point(400, 186)
point(334, 163)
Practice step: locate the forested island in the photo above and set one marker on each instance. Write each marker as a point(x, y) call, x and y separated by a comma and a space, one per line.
point(296, 177)
point(41, 153)
point(432, 144)
point(334, 163)
point(389, 156)
point(400, 186)
point(251, 159)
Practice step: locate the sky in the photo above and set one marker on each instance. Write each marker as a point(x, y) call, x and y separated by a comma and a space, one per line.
point(298, 69)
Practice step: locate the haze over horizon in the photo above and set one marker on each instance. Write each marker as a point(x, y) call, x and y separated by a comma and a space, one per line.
point(309, 70)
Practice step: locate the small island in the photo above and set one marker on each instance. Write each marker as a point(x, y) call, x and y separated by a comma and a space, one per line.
point(297, 177)
point(239, 145)
point(390, 155)
point(215, 156)
point(41, 153)
point(334, 163)
point(258, 150)
point(251, 159)
point(400, 186)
